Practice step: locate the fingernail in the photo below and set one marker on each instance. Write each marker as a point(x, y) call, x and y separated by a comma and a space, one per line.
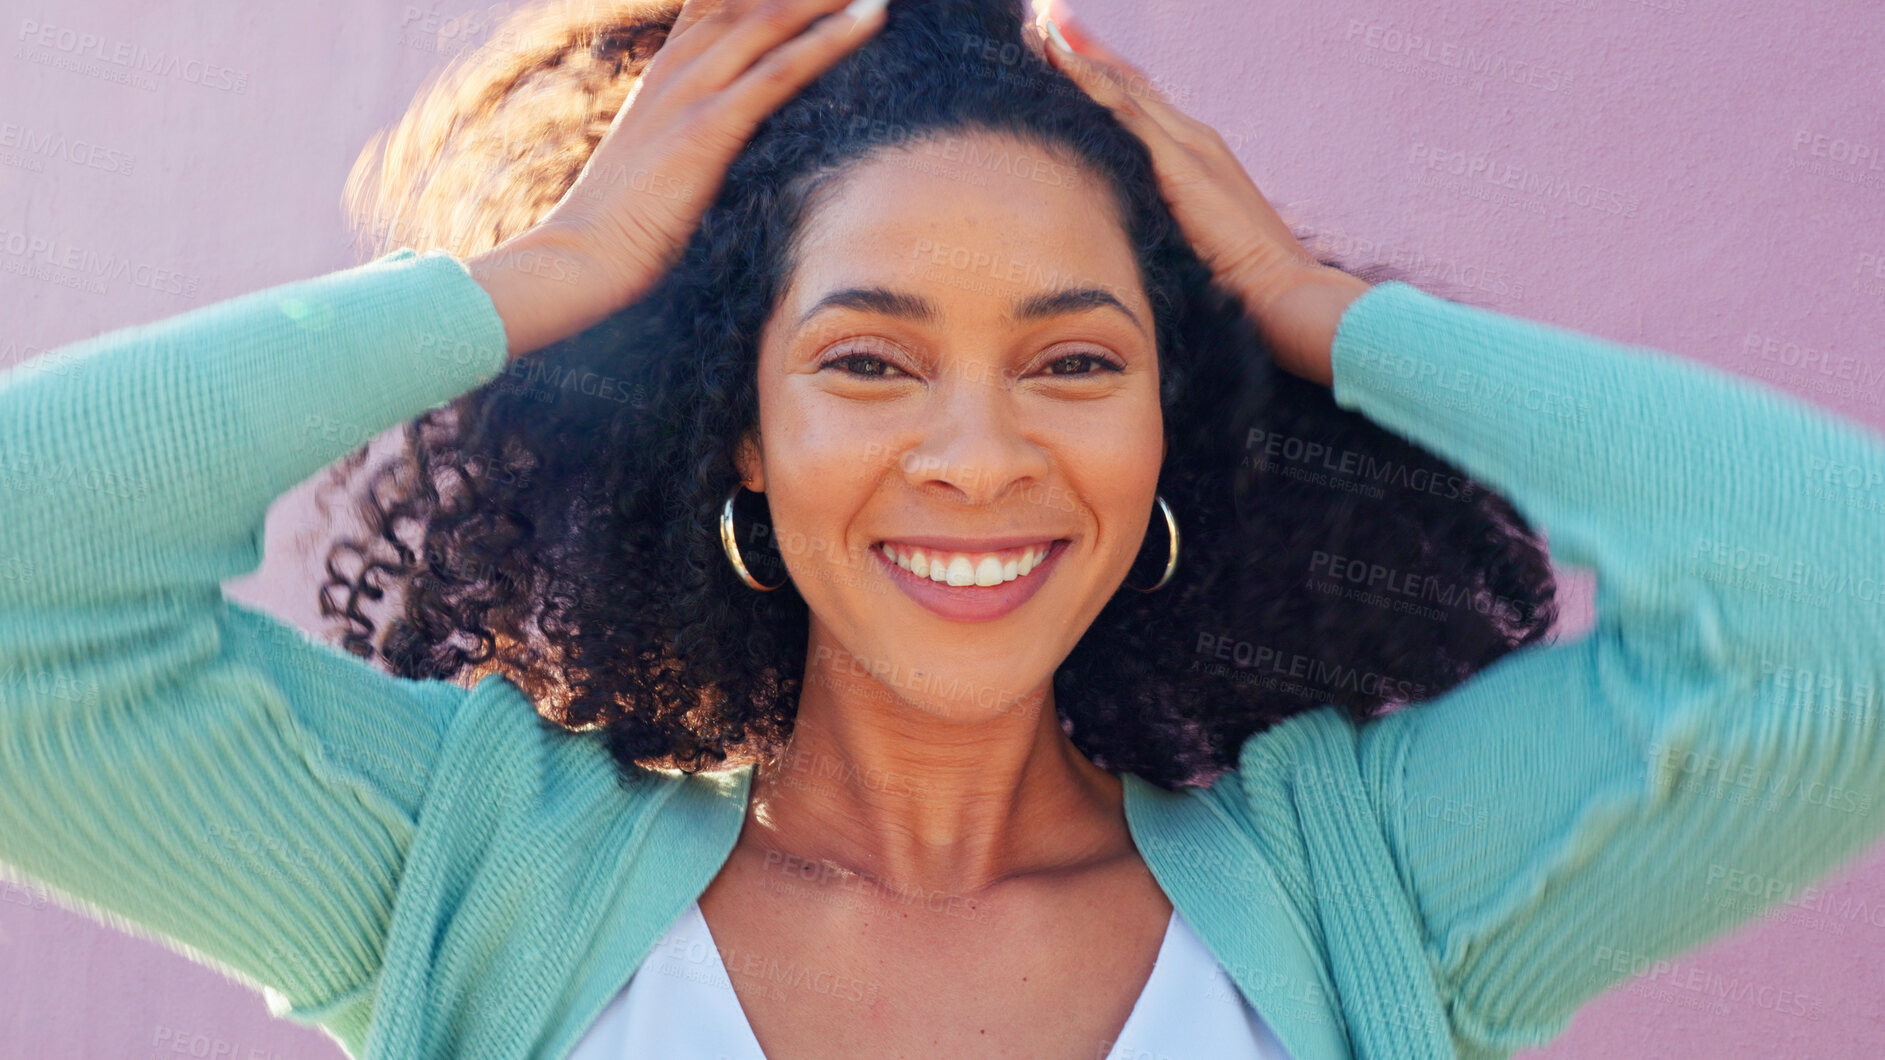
point(1053, 34)
point(859, 10)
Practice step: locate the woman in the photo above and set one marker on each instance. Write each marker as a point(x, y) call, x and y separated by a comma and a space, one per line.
point(1031, 810)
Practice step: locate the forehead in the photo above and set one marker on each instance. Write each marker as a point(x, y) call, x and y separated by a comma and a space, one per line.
point(974, 211)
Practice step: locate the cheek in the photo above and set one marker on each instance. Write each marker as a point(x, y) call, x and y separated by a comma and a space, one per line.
point(1114, 457)
point(820, 463)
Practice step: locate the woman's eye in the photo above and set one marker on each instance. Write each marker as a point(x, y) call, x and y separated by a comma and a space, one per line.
point(1082, 359)
point(867, 365)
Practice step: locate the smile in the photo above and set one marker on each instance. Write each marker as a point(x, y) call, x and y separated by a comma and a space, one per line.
point(970, 586)
point(966, 568)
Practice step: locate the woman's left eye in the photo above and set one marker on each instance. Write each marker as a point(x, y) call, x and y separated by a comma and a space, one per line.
point(1106, 363)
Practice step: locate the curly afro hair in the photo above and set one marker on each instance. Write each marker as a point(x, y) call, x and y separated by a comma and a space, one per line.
point(559, 524)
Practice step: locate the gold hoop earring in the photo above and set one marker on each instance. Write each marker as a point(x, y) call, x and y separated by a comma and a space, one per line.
point(1171, 556)
point(731, 545)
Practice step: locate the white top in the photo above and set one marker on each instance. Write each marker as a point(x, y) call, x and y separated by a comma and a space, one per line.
point(680, 1005)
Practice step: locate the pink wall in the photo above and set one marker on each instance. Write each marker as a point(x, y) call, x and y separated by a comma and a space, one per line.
point(1725, 168)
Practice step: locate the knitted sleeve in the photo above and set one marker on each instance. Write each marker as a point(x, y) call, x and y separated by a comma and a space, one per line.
point(1578, 812)
point(170, 761)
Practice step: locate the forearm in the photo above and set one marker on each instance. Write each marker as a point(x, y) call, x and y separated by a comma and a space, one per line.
point(147, 460)
point(1299, 317)
point(546, 286)
point(1734, 524)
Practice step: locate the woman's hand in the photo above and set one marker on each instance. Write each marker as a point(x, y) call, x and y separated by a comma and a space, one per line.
point(1296, 300)
point(724, 67)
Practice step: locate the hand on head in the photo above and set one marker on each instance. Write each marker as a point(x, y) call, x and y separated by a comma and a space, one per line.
point(724, 67)
point(1295, 299)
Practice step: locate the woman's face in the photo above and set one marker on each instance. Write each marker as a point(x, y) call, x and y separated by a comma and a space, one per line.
point(962, 365)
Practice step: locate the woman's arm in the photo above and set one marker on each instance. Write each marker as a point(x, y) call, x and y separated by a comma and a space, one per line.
point(194, 766)
point(1577, 812)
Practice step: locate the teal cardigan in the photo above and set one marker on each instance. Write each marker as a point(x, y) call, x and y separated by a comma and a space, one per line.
point(429, 871)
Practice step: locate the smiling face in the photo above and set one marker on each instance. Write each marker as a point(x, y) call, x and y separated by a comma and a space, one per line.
point(958, 384)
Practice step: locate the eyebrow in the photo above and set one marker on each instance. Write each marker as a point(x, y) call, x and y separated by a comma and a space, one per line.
point(916, 307)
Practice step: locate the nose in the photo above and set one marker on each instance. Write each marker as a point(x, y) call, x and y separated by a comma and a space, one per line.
point(972, 439)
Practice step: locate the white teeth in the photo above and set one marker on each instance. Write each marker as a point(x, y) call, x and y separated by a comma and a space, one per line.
point(956, 568)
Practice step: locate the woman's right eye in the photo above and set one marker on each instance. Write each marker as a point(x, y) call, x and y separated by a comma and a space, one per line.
point(863, 365)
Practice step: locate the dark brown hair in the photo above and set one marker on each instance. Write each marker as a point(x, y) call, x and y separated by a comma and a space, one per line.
point(564, 534)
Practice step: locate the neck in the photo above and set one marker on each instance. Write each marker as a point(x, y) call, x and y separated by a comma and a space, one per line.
point(872, 782)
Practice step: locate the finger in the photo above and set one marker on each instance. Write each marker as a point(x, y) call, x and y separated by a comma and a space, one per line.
point(1182, 127)
point(703, 23)
point(758, 32)
point(696, 26)
point(711, 12)
point(1173, 139)
point(1087, 44)
point(1108, 87)
point(699, 26)
point(781, 72)
point(1034, 35)
point(1177, 164)
point(686, 71)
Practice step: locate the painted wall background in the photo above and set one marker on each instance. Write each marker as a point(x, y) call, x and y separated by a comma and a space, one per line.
point(1700, 176)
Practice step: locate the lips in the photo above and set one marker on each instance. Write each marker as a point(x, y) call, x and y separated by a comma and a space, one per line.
point(972, 602)
point(964, 567)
